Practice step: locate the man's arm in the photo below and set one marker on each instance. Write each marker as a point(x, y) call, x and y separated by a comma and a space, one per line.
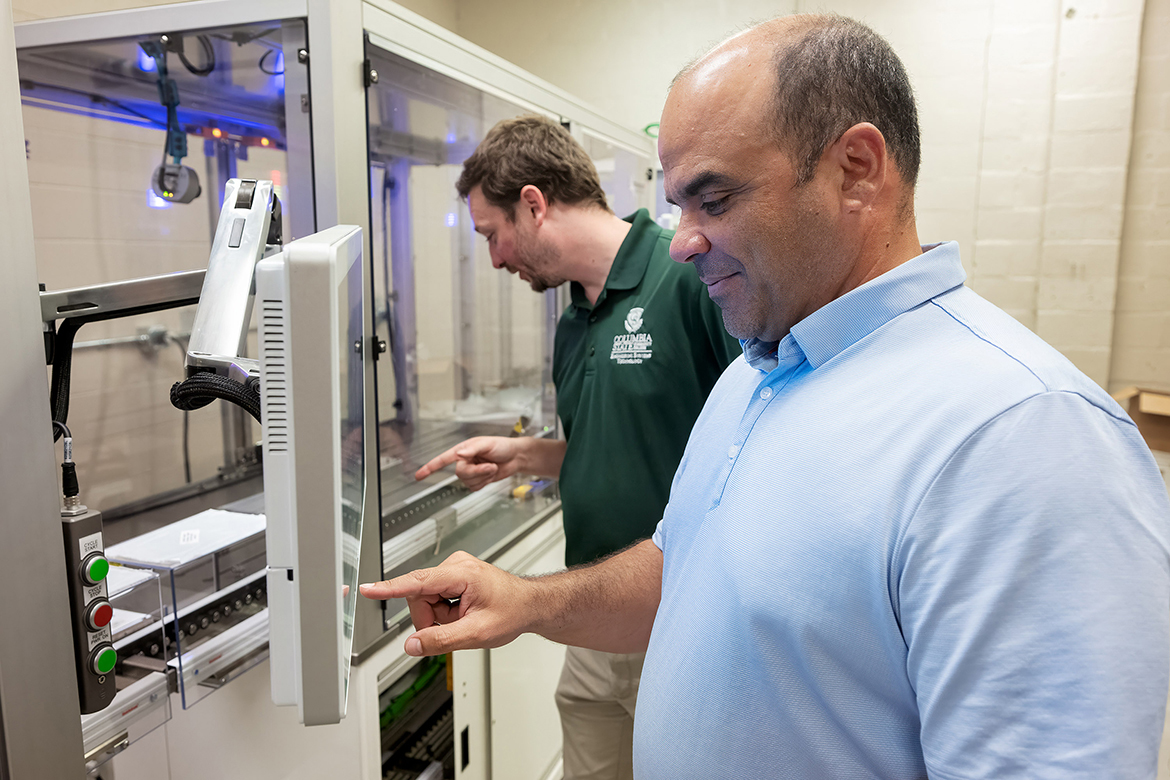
point(1033, 595)
point(485, 459)
point(466, 603)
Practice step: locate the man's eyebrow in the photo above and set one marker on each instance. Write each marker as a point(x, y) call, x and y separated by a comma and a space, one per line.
point(700, 183)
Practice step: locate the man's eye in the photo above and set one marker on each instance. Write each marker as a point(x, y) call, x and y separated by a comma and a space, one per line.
point(714, 207)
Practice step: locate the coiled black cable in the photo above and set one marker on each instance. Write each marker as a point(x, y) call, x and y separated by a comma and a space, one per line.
point(208, 57)
point(199, 390)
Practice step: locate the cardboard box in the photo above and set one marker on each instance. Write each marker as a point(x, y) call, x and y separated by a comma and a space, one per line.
point(1150, 409)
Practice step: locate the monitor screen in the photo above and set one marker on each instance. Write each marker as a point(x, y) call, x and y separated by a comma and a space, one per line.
point(312, 380)
point(351, 417)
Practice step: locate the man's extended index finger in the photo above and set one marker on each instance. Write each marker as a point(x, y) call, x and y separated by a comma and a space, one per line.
point(422, 582)
point(437, 462)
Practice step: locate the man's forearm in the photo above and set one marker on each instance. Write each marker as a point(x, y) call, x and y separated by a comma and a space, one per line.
point(609, 605)
point(543, 457)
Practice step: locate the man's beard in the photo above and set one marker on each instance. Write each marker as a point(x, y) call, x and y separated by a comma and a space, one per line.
point(538, 262)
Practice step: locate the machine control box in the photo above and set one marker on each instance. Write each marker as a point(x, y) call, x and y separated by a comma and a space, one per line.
point(89, 604)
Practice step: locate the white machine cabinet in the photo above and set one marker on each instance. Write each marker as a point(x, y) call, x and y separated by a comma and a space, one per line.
point(501, 717)
point(361, 113)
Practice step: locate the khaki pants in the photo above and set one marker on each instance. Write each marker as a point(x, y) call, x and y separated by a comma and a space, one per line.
point(596, 697)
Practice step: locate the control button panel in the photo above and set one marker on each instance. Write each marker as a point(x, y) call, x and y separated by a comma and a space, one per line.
point(86, 571)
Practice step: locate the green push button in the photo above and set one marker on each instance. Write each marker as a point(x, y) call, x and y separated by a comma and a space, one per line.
point(95, 568)
point(104, 659)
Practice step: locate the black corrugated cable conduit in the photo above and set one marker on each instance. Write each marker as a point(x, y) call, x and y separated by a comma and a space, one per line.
point(62, 353)
point(199, 390)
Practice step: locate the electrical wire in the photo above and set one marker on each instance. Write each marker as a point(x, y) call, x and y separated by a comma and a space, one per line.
point(208, 57)
point(186, 420)
point(261, 64)
point(63, 428)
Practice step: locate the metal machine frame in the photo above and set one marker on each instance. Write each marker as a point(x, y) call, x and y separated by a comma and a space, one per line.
point(40, 731)
point(336, 78)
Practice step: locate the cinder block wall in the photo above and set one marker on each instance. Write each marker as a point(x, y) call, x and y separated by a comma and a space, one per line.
point(1028, 116)
point(1141, 354)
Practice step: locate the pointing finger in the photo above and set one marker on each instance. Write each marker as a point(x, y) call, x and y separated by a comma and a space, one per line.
point(421, 583)
point(437, 462)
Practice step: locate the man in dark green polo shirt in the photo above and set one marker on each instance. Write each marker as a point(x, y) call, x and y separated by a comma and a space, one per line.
point(637, 351)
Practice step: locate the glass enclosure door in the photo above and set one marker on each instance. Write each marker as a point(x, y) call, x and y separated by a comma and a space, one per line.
point(96, 120)
point(100, 118)
point(469, 346)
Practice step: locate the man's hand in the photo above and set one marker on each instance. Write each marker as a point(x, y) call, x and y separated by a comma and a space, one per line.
point(486, 459)
point(479, 461)
point(463, 603)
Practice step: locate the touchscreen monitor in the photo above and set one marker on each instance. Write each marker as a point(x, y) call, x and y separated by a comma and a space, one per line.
point(312, 375)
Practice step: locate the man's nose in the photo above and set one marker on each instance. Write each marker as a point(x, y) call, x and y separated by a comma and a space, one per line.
point(497, 263)
point(688, 241)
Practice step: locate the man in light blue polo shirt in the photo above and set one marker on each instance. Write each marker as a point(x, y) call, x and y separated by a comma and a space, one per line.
point(907, 539)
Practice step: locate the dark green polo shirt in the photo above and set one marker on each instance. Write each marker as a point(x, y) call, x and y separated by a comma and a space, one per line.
point(632, 373)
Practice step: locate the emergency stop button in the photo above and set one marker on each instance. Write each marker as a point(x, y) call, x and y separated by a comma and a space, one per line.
point(94, 568)
point(98, 615)
point(103, 659)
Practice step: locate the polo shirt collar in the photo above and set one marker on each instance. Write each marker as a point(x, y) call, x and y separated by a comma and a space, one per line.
point(629, 266)
point(843, 322)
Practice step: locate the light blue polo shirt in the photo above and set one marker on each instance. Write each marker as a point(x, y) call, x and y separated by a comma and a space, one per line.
point(913, 541)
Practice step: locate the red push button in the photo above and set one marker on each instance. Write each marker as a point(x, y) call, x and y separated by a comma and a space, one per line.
point(98, 615)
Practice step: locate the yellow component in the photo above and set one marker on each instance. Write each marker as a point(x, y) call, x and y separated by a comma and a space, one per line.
point(521, 492)
point(518, 428)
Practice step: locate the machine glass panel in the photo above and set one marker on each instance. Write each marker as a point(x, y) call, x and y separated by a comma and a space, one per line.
point(127, 167)
point(470, 346)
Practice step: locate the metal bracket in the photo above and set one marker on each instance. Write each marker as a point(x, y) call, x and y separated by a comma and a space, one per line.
point(177, 289)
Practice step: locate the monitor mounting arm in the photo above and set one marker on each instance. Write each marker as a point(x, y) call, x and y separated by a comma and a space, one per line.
point(248, 231)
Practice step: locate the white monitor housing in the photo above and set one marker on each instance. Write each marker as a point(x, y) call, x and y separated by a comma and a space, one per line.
point(312, 387)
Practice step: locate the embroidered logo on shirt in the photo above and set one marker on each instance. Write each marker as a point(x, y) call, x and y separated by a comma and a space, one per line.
point(632, 347)
point(634, 319)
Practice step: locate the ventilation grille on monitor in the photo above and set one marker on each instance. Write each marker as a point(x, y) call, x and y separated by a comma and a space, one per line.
point(275, 375)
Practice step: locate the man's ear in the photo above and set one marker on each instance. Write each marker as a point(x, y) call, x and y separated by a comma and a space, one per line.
point(533, 203)
point(863, 163)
